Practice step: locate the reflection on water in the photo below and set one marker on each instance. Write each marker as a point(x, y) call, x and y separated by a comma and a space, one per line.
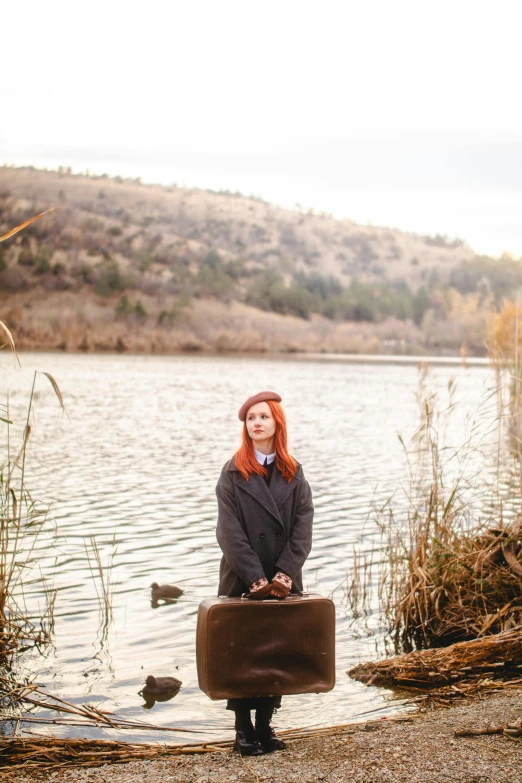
point(136, 467)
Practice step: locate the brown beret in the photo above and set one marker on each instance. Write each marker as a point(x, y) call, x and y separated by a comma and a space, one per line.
point(259, 397)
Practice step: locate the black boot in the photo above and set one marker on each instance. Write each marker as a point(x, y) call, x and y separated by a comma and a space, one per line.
point(266, 736)
point(246, 741)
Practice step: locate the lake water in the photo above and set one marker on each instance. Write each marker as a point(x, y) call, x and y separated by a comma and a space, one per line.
point(136, 465)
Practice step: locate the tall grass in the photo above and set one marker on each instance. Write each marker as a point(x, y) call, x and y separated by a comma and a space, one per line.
point(21, 520)
point(450, 565)
point(102, 578)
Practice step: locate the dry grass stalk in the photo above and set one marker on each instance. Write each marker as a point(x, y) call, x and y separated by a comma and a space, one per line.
point(101, 576)
point(27, 754)
point(30, 754)
point(15, 230)
point(461, 585)
point(444, 577)
point(21, 520)
point(504, 344)
point(358, 588)
point(81, 715)
point(500, 654)
point(437, 698)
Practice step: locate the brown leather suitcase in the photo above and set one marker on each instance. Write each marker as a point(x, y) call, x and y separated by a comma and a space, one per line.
point(248, 648)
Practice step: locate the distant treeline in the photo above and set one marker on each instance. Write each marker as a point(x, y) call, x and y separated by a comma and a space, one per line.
point(305, 294)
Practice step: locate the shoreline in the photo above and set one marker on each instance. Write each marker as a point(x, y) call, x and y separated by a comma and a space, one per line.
point(420, 747)
point(327, 358)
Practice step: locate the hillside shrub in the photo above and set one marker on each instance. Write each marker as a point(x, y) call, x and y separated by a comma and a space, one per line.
point(139, 310)
point(86, 273)
point(297, 300)
point(421, 304)
point(501, 276)
point(268, 291)
point(168, 317)
point(42, 259)
point(361, 248)
point(58, 268)
point(146, 261)
point(26, 257)
point(123, 307)
point(110, 279)
point(288, 236)
point(50, 282)
point(213, 278)
point(263, 286)
point(441, 240)
point(13, 279)
point(319, 284)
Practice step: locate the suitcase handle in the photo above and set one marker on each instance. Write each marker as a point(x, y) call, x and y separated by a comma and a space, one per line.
point(246, 597)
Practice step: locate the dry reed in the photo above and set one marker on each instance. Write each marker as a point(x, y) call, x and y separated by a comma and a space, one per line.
point(101, 576)
point(499, 655)
point(68, 714)
point(21, 520)
point(434, 698)
point(36, 754)
point(443, 576)
point(446, 578)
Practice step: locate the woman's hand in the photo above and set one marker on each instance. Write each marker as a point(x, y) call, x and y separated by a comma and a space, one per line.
point(259, 589)
point(281, 585)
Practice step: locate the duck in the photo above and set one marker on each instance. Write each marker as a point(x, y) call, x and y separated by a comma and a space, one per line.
point(159, 689)
point(161, 686)
point(165, 591)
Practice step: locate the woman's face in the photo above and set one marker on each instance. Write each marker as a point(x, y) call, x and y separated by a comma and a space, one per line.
point(261, 424)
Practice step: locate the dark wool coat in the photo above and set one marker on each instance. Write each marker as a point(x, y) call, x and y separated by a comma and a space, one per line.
point(262, 530)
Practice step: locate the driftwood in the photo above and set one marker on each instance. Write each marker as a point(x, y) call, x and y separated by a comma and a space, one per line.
point(499, 655)
point(511, 730)
point(491, 728)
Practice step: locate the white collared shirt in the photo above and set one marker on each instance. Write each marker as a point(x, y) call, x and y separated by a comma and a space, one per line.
point(261, 457)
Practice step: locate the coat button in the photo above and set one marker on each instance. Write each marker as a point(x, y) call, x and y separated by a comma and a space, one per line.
point(261, 535)
point(279, 534)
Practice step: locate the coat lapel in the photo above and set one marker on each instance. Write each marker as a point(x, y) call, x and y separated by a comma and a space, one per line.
point(280, 488)
point(271, 499)
point(257, 487)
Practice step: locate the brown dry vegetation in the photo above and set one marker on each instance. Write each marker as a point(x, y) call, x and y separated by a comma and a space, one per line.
point(127, 266)
point(448, 574)
point(433, 747)
point(475, 664)
point(451, 564)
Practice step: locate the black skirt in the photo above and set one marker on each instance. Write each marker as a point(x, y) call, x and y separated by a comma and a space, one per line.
point(254, 703)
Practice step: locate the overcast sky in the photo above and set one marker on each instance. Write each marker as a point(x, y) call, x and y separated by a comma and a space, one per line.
point(399, 113)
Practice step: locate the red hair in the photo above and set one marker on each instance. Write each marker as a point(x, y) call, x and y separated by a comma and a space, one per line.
point(246, 461)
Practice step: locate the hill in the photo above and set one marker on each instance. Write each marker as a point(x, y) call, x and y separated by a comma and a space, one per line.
point(144, 267)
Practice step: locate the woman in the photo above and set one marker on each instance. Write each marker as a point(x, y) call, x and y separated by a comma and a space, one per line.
point(264, 529)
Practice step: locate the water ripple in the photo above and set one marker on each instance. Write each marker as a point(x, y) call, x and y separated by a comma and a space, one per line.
point(136, 467)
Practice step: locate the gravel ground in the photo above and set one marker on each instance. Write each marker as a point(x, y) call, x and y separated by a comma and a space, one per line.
point(419, 749)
